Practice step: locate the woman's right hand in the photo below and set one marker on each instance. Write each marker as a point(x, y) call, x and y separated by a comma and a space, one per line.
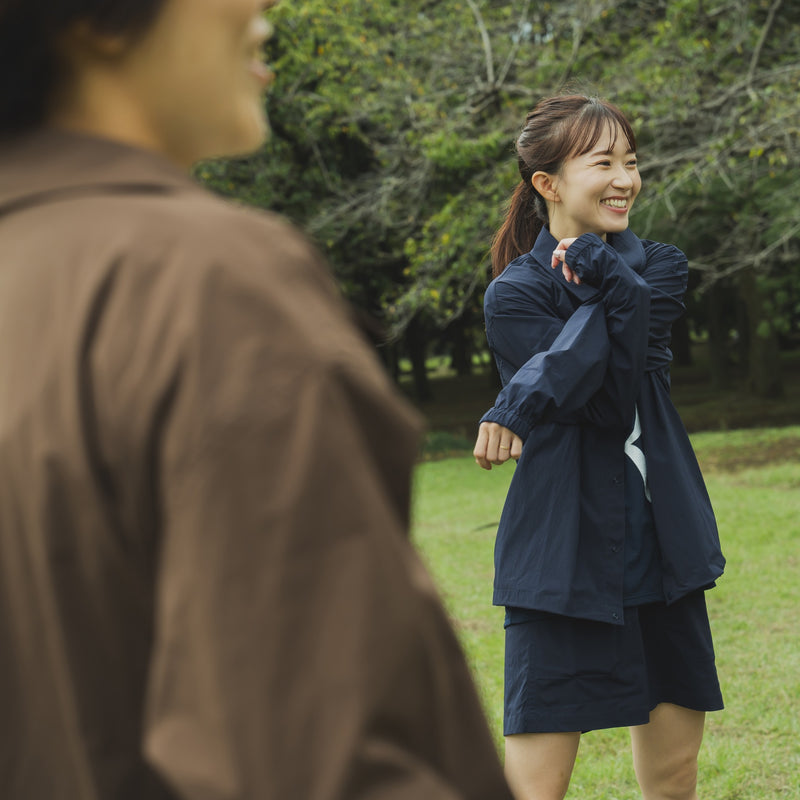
point(495, 445)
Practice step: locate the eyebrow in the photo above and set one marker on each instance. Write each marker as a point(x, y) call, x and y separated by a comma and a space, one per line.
point(598, 153)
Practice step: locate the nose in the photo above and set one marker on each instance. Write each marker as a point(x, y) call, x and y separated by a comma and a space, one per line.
point(623, 178)
point(261, 30)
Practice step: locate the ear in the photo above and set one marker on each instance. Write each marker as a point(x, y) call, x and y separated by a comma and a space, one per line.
point(82, 39)
point(546, 184)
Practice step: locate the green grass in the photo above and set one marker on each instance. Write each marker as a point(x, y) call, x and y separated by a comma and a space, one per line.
point(752, 748)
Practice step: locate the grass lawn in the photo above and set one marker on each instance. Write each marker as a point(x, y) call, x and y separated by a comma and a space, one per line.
point(752, 748)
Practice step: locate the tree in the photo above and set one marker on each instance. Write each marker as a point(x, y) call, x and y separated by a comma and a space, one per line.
point(725, 141)
point(394, 126)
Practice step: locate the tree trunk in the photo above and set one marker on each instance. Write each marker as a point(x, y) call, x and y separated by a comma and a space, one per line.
point(460, 347)
point(717, 340)
point(390, 357)
point(417, 344)
point(494, 375)
point(764, 366)
point(680, 345)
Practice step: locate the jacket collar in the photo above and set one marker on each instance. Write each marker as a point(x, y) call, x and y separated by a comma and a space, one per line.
point(627, 245)
point(50, 163)
point(630, 248)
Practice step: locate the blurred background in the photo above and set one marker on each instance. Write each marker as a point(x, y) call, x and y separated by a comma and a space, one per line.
point(393, 130)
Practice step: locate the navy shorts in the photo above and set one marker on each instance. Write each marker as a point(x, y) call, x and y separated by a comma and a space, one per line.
point(565, 674)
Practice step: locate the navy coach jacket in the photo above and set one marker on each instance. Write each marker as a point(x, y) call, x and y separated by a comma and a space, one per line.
point(575, 362)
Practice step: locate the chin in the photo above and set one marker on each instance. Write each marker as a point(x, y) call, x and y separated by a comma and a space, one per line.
point(256, 132)
point(244, 141)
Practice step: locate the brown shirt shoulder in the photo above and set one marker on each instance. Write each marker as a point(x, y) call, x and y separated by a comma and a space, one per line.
point(204, 480)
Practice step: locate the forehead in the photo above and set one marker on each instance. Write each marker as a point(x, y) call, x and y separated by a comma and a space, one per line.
point(606, 136)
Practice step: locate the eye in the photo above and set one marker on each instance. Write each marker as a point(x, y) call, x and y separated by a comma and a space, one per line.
point(634, 162)
point(603, 164)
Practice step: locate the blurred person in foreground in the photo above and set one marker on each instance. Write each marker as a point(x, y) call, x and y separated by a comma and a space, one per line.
point(206, 586)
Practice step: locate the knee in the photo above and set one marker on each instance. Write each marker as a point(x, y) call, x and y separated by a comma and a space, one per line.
point(540, 785)
point(675, 779)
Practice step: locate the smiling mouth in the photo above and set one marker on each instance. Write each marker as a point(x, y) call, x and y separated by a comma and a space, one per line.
point(615, 202)
point(262, 72)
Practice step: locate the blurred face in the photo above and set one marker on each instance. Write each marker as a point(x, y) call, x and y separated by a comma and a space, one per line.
point(199, 75)
point(190, 88)
point(594, 192)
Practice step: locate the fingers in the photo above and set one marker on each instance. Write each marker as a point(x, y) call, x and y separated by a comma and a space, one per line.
point(570, 276)
point(559, 257)
point(481, 446)
point(495, 445)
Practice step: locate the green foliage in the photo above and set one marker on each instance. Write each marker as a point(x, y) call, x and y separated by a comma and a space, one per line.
point(457, 157)
point(394, 124)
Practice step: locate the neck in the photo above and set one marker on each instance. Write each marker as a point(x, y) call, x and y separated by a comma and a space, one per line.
point(560, 232)
point(100, 105)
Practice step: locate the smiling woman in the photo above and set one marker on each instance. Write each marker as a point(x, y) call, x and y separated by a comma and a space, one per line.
point(206, 584)
point(607, 540)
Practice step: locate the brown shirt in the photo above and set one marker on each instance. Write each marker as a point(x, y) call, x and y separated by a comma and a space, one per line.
point(206, 585)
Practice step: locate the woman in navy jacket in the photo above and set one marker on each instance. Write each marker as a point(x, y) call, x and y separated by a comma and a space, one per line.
point(607, 539)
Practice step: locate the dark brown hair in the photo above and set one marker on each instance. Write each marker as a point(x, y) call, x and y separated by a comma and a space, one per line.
point(558, 128)
point(29, 62)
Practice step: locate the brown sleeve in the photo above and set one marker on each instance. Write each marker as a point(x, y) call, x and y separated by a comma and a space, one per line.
point(300, 649)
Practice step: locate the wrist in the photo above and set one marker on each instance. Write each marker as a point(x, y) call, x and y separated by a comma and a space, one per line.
point(580, 260)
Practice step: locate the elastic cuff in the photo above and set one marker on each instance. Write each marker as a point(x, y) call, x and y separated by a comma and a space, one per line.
point(509, 419)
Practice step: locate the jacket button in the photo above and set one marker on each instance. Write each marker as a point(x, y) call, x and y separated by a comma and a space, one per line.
point(617, 481)
point(614, 548)
point(614, 615)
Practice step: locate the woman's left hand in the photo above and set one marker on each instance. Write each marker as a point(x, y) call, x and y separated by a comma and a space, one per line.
point(495, 445)
point(559, 255)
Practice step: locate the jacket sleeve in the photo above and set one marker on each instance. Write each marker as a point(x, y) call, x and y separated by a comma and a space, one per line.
point(666, 273)
point(559, 379)
point(592, 371)
point(300, 648)
point(626, 299)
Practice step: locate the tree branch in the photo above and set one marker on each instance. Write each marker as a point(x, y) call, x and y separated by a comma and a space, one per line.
point(517, 43)
point(487, 43)
point(578, 29)
point(712, 273)
point(765, 31)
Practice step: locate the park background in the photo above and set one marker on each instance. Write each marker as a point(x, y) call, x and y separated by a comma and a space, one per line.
point(393, 124)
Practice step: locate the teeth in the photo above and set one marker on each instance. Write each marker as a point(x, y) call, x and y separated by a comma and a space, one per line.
point(614, 203)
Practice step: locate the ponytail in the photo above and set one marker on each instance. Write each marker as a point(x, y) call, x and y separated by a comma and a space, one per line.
point(527, 214)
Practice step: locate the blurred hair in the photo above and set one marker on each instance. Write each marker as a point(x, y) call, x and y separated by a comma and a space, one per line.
point(558, 128)
point(29, 61)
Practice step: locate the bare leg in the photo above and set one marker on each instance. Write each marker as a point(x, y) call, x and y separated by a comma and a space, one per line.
point(539, 765)
point(665, 753)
